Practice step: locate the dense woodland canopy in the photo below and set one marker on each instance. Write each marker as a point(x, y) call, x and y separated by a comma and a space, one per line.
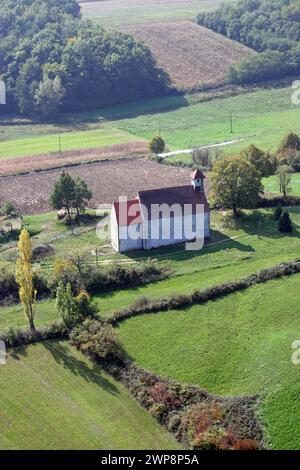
point(53, 61)
point(271, 27)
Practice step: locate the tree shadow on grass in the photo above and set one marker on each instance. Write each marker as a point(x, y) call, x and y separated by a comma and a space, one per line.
point(218, 241)
point(92, 374)
point(18, 353)
point(61, 353)
point(260, 223)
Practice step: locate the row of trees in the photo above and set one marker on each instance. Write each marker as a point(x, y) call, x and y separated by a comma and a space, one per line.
point(52, 60)
point(235, 182)
point(269, 27)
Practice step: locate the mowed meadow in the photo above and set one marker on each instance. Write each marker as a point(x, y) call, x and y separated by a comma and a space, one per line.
point(115, 12)
point(238, 345)
point(53, 397)
point(262, 117)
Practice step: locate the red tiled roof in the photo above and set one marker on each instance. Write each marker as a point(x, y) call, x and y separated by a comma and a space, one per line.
point(175, 195)
point(128, 212)
point(197, 175)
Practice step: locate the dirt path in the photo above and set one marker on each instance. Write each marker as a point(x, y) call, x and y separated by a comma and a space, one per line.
point(204, 147)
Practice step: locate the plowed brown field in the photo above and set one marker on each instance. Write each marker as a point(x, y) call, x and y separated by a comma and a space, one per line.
point(108, 179)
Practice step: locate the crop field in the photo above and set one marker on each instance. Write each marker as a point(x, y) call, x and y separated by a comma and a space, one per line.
point(190, 54)
point(71, 157)
point(53, 397)
point(30, 193)
point(110, 13)
point(238, 345)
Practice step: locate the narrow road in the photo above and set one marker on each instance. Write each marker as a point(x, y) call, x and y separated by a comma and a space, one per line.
point(204, 147)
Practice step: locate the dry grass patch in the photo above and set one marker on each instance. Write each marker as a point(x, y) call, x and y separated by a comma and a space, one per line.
point(57, 159)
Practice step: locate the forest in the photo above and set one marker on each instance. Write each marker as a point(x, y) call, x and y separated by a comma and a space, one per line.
point(271, 28)
point(53, 61)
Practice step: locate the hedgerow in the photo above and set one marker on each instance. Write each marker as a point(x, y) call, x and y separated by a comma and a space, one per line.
point(182, 301)
point(14, 337)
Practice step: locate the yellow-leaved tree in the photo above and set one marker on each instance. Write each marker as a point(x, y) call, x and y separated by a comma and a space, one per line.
point(24, 277)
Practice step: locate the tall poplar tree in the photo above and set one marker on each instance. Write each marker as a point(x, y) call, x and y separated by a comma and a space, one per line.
point(24, 277)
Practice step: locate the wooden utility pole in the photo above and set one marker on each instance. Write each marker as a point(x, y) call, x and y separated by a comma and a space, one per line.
point(59, 143)
point(231, 123)
point(258, 228)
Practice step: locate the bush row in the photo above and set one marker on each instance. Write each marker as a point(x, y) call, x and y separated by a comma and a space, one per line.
point(15, 337)
point(93, 280)
point(274, 200)
point(180, 301)
point(9, 290)
point(120, 277)
point(197, 420)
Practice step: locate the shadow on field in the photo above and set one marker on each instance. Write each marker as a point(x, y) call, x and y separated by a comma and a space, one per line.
point(162, 104)
point(217, 242)
point(62, 356)
point(261, 223)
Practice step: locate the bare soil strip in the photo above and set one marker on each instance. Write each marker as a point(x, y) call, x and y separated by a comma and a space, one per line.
point(30, 193)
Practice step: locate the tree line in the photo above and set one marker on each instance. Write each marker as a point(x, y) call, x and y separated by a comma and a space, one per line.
point(52, 61)
point(235, 182)
point(271, 28)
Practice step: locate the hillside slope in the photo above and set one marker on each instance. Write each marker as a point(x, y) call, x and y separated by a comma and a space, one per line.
point(190, 54)
point(52, 397)
point(234, 346)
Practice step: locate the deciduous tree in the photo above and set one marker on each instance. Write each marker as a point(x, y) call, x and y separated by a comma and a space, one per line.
point(156, 145)
point(235, 183)
point(284, 179)
point(24, 277)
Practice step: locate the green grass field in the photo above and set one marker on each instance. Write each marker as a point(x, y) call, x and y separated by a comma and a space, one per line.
point(234, 251)
point(111, 13)
point(52, 397)
point(100, 137)
point(271, 184)
point(239, 345)
point(262, 117)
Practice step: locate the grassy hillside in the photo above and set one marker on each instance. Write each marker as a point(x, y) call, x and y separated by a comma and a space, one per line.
point(100, 137)
point(238, 345)
point(52, 397)
point(235, 251)
point(114, 12)
point(262, 117)
point(191, 55)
